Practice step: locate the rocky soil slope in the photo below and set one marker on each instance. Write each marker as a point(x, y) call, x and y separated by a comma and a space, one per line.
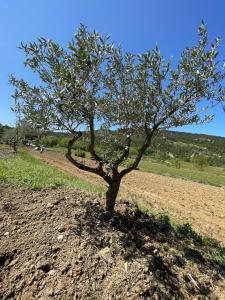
point(59, 245)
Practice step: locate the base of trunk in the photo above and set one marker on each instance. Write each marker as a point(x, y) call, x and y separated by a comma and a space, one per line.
point(111, 195)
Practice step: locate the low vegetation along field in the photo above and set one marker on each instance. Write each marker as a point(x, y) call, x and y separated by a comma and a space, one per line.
point(57, 244)
point(25, 171)
point(209, 174)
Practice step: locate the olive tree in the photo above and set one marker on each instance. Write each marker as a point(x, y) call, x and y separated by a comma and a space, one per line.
point(1, 130)
point(28, 131)
point(10, 137)
point(94, 87)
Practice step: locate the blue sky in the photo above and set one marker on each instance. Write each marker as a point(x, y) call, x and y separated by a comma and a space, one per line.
point(137, 24)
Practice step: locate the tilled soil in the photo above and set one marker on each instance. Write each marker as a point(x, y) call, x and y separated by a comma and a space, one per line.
point(59, 244)
point(199, 204)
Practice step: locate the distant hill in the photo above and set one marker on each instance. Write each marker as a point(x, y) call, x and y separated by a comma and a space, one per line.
point(215, 144)
point(3, 128)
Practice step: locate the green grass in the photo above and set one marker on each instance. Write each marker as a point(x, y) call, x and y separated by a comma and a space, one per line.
point(64, 150)
point(188, 239)
point(27, 172)
point(202, 246)
point(209, 175)
point(57, 149)
point(206, 246)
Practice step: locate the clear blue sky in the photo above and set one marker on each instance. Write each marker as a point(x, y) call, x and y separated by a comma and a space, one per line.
point(137, 24)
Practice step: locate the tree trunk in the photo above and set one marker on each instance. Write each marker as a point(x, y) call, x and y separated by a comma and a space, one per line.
point(111, 195)
point(14, 147)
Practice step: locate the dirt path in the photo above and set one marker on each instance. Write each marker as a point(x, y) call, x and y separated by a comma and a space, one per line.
point(201, 205)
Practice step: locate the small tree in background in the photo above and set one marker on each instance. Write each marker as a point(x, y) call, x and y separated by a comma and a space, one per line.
point(10, 137)
point(27, 131)
point(1, 130)
point(200, 161)
point(96, 87)
point(19, 135)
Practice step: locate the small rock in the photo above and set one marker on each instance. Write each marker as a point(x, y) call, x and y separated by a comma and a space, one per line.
point(61, 229)
point(42, 285)
point(189, 276)
point(49, 205)
point(93, 286)
point(21, 222)
point(49, 291)
point(13, 262)
point(51, 272)
point(32, 279)
point(136, 289)
point(6, 233)
point(126, 266)
point(56, 290)
point(60, 238)
point(55, 248)
point(80, 256)
point(146, 269)
point(105, 252)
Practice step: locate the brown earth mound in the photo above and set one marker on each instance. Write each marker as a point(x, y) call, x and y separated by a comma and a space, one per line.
point(59, 245)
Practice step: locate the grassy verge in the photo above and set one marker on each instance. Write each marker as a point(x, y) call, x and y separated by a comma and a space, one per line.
point(209, 175)
point(28, 172)
point(192, 245)
point(64, 150)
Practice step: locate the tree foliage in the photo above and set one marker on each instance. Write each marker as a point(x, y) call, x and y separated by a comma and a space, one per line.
point(1, 130)
point(95, 86)
point(200, 161)
point(10, 137)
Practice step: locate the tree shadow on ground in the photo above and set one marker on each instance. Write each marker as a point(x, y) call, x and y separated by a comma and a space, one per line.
point(139, 235)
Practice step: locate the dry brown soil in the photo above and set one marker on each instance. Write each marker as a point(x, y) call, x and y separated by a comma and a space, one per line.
point(186, 201)
point(59, 245)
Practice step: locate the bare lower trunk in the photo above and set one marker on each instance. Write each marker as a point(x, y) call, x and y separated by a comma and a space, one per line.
point(14, 147)
point(111, 195)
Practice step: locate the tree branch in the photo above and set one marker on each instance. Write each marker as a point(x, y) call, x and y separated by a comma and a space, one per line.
point(125, 153)
point(92, 142)
point(140, 152)
point(98, 171)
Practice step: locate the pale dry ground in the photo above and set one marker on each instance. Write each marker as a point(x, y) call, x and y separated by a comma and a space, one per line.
point(203, 206)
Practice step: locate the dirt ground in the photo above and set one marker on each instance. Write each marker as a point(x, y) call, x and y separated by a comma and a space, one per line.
point(203, 206)
point(59, 245)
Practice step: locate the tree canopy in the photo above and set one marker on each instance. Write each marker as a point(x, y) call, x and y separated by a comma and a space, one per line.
point(97, 87)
